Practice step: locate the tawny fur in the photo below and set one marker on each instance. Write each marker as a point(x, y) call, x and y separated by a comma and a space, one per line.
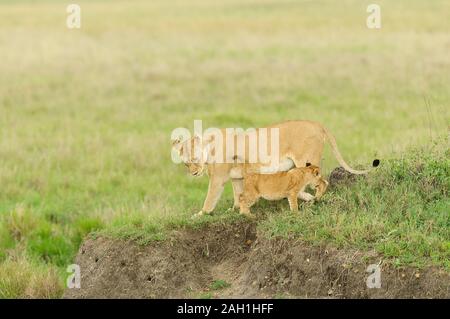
point(299, 142)
point(280, 185)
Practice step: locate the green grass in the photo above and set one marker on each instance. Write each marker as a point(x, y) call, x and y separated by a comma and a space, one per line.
point(402, 210)
point(86, 117)
point(21, 277)
point(219, 284)
point(205, 295)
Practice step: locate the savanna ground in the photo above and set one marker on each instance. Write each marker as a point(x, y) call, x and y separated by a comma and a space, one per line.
point(86, 117)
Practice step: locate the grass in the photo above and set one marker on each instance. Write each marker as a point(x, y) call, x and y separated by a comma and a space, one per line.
point(86, 117)
point(402, 211)
point(205, 295)
point(214, 287)
point(219, 284)
point(21, 278)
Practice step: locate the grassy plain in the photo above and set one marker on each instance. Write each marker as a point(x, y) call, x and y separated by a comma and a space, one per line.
point(86, 117)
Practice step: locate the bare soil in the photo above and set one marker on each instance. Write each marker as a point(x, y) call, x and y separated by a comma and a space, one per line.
point(186, 264)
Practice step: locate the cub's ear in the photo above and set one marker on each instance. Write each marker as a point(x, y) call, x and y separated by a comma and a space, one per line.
point(308, 164)
point(315, 170)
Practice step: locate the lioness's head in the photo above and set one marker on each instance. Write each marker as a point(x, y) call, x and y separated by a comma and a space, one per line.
point(191, 154)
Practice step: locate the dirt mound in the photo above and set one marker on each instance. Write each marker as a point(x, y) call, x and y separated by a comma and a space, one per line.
point(251, 265)
point(339, 177)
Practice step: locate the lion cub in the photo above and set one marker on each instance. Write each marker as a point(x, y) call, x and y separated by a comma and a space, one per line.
point(281, 185)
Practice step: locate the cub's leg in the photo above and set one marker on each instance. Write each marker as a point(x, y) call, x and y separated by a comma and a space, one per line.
point(293, 203)
point(215, 190)
point(238, 188)
point(307, 197)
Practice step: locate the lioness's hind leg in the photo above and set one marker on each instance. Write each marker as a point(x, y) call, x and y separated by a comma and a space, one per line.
point(245, 202)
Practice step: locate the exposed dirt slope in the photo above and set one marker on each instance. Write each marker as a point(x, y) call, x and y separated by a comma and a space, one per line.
point(186, 264)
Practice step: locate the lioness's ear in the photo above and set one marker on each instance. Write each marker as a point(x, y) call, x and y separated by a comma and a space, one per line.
point(177, 145)
point(176, 141)
point(316, 171)
point(308, 164)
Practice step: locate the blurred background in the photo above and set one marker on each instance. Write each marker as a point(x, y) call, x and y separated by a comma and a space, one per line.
point(86, 114)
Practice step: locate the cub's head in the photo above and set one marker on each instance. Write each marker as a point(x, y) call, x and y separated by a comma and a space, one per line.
point(316, 180)
point(191, 154)
point(313, 173)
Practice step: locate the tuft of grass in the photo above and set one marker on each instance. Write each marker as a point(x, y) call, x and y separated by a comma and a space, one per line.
point(84, 226)
point(50, 245)
point(219, 284)
point(401, 210)
point(19, 223)
point(205, 295)
point(22, 278)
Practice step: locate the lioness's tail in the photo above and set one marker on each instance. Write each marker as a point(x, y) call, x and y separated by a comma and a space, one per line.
point(330, 138)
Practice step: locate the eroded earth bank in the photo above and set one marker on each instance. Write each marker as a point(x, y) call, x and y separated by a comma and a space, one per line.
point(245, 263)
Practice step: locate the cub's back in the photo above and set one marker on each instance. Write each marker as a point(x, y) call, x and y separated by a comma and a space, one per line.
point(271, 186)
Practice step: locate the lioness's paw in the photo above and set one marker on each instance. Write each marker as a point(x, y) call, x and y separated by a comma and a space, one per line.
point(232, 209)
point(249, 215)
point(199, 214)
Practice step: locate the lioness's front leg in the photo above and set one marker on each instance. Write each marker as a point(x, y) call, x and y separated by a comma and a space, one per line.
point(238, 188)
point(215, 189)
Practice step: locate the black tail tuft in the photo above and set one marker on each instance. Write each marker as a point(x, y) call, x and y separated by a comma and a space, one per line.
point(376, 162)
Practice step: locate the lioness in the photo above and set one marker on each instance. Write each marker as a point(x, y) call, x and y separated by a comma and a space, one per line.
point(299, 142)
point(281, 185)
